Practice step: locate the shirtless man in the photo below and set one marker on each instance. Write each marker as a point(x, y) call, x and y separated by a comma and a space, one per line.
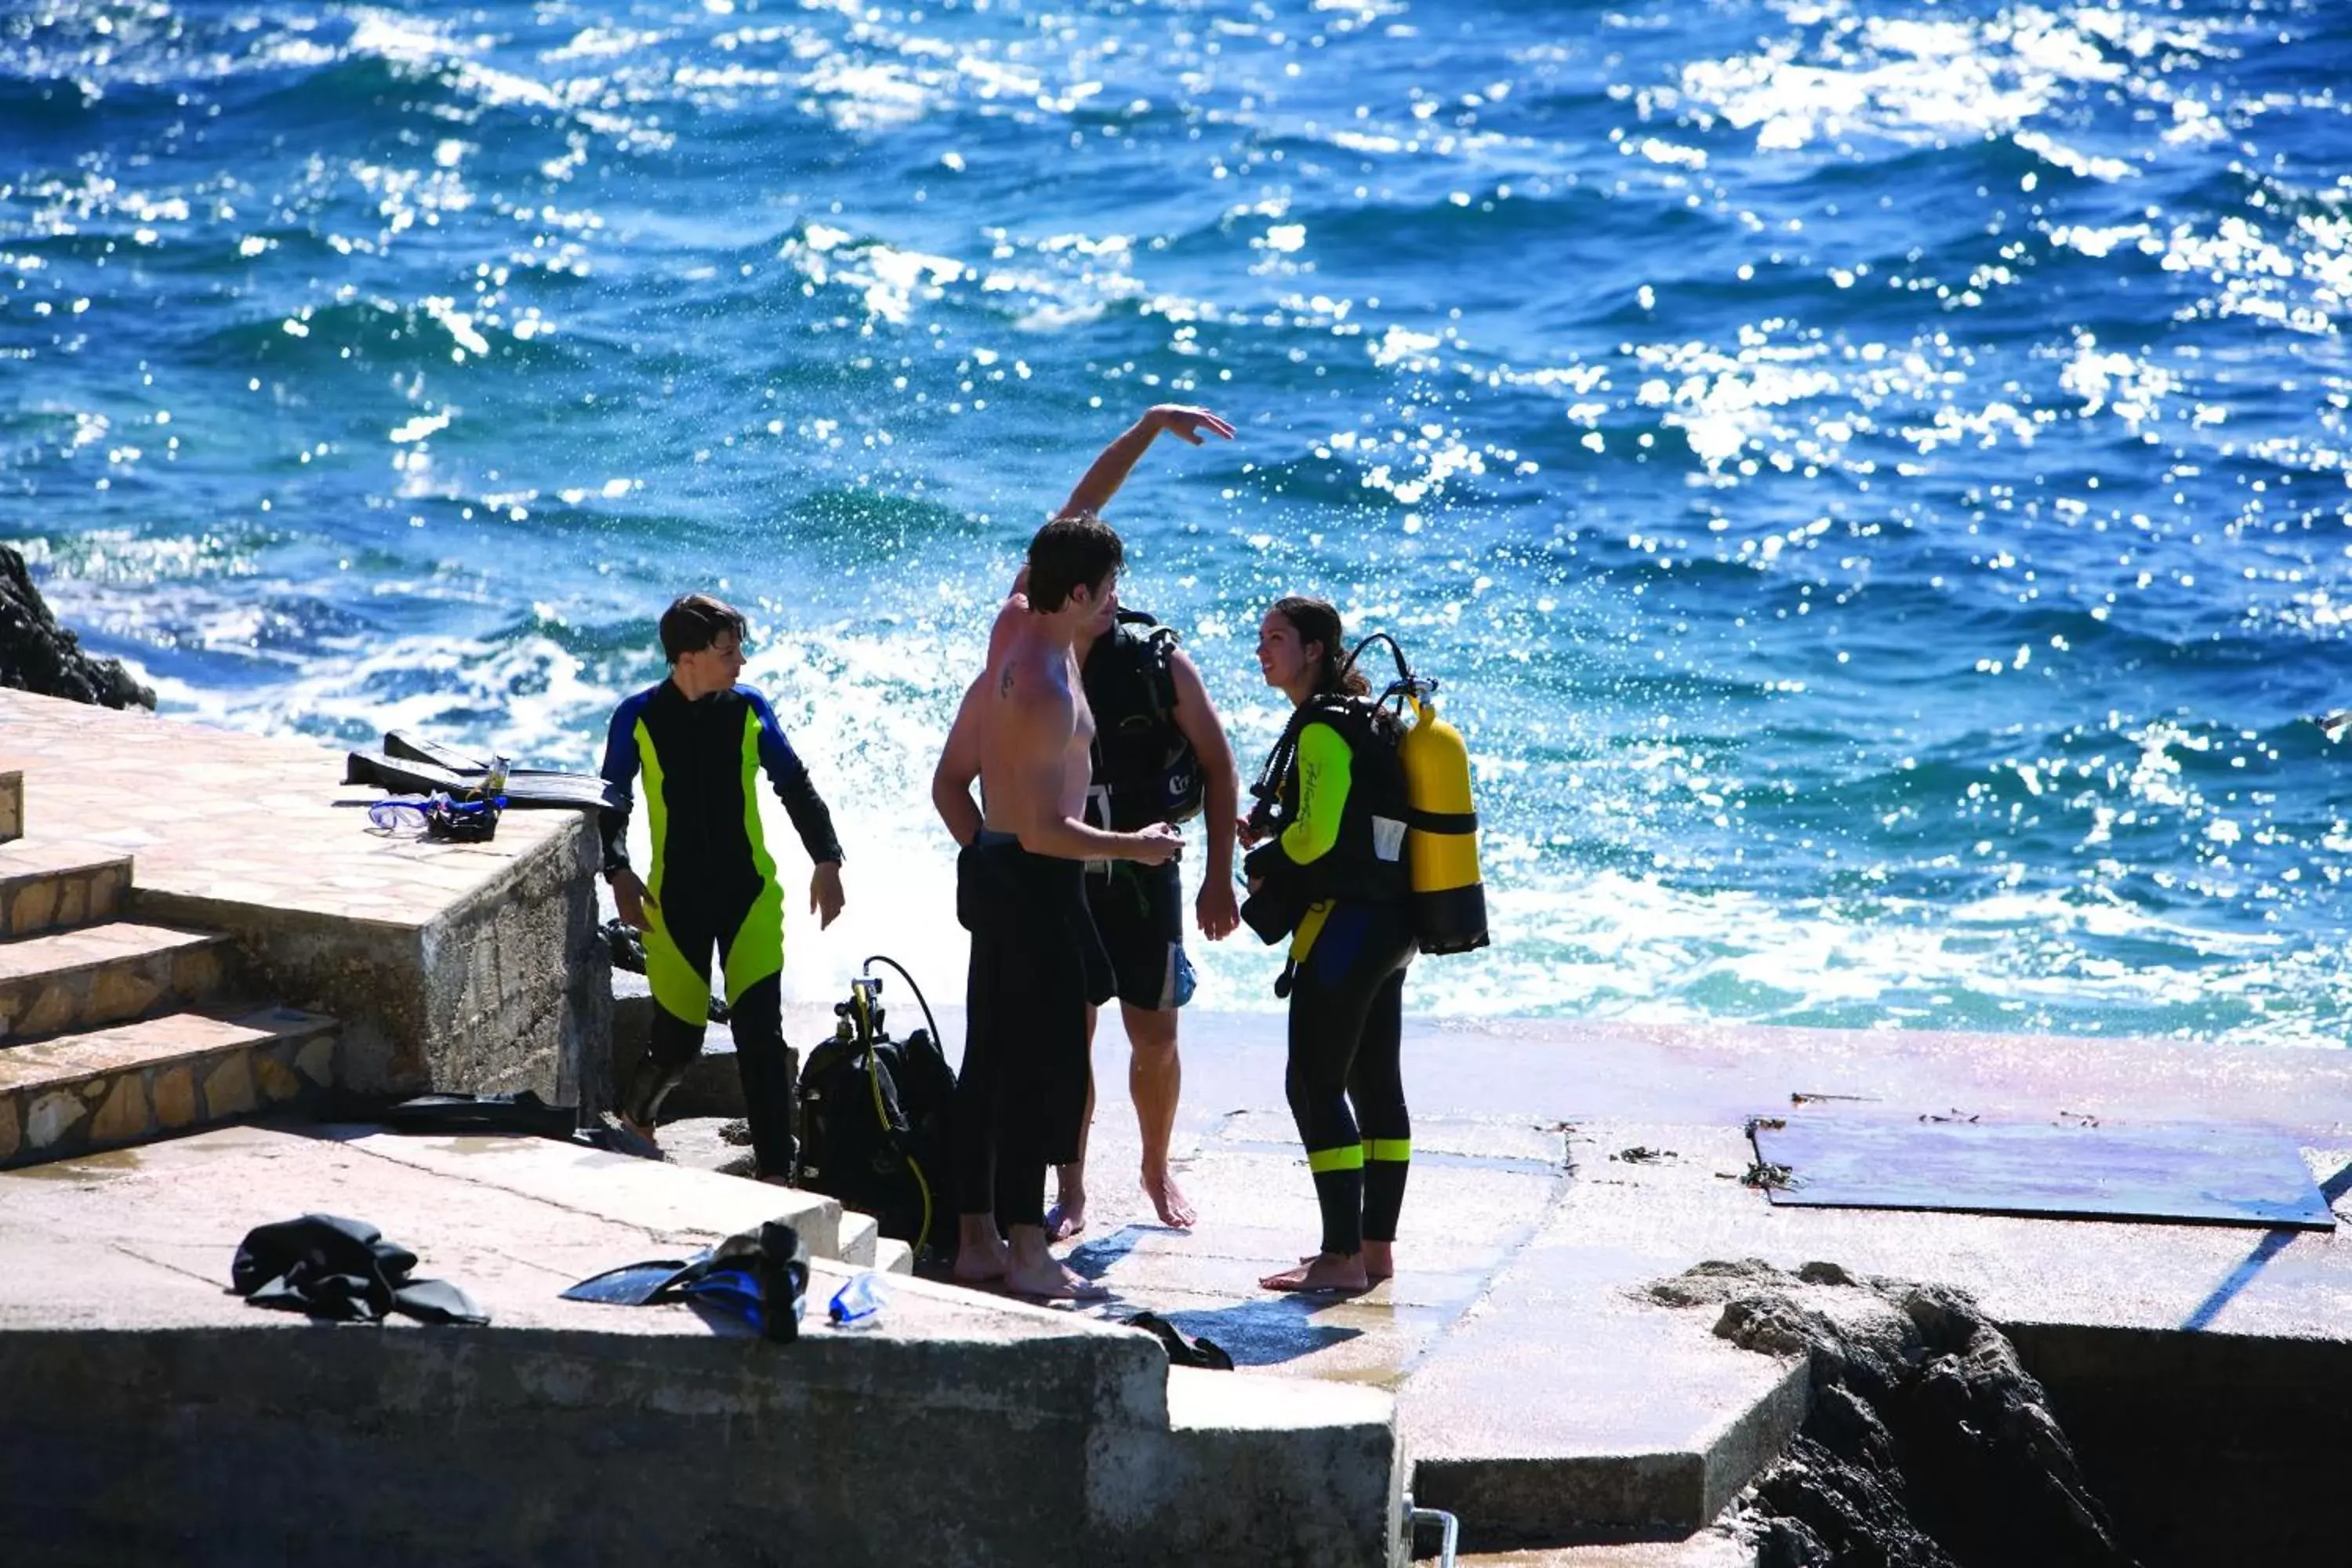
point(1135, 910)
point(1036, 963)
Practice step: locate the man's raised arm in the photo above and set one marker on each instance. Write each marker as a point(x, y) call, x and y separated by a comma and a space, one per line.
point(1110, 469)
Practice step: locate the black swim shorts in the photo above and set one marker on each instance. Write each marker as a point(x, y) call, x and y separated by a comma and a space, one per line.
point(1140, 911)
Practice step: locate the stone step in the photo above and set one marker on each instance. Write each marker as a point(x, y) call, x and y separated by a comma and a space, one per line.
point(50, 887)
point(105, 1089)
point(859, 1235)
point(12, 804)
point(103, 974)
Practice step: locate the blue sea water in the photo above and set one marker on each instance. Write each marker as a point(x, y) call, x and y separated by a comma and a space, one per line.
point(1871, 476)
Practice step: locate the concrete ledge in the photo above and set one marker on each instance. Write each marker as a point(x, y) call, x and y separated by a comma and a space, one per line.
point(153, 1417)
point(1562, 1411)
point(500, 989)
point(402, 1446)
point(461, 967)
point(1567, 1498)
point(241, 1445)
point(12, 804)
point(1301, 1472)
point(652, 1195)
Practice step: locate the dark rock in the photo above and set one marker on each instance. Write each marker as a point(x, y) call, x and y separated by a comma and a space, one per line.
point(1928, 1444)
point(39, 656)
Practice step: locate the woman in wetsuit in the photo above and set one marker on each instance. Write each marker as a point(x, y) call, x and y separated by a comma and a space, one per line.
point(1328, 871)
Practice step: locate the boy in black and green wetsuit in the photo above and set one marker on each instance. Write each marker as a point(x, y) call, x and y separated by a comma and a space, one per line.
point(702, 742)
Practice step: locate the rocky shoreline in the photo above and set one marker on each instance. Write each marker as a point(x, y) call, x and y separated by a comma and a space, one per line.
point(39, 656)
point(1928, 1444)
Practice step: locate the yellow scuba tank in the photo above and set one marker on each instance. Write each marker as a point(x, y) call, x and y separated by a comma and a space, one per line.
point(1441, 840)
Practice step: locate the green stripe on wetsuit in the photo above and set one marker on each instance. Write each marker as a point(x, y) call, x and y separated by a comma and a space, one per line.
point(758, 949)
point(1348, 1158)
point(1326, 769)
point(679, 988)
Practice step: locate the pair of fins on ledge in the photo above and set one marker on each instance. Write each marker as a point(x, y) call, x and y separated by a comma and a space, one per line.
point(407, 765)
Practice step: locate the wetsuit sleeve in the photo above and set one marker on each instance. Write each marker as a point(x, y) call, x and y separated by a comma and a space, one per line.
point(793, 786)
point(1325, 769)
point(620, 771)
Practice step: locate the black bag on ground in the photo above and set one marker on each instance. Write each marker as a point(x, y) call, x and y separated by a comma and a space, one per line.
point(874, 1120)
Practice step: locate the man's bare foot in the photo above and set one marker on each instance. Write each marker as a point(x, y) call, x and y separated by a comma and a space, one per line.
point(1325, 1271)
point(1031, 1270)
point(1053, 1281)
point(1176, 1210)
point(980, 1255)
point(1380, 1260)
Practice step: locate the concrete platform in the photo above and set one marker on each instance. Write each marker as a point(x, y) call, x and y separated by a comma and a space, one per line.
point(1560, 1168)
point(152, 1417)
point(464, 967)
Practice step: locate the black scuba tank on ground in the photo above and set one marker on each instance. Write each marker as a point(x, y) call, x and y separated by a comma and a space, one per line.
point(1145, 770)
point(874, 1120)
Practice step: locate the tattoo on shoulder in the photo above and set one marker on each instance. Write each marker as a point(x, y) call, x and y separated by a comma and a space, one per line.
point(1005, 682)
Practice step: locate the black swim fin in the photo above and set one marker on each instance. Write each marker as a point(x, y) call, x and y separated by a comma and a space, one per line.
point(401, 746)
point(634, 1284)
point(578, 791)
point(409, 749)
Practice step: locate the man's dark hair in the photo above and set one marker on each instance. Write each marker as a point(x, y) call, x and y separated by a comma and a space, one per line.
point(1071, 553)
point(693, 623)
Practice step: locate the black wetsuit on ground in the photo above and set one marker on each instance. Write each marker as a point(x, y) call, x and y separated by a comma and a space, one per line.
point(1036, 966)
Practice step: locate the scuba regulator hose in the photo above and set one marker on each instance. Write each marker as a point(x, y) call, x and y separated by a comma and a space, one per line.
point(874, 1080)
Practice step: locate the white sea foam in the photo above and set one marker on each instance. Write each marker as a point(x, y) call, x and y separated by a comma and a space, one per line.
point(1916, 80)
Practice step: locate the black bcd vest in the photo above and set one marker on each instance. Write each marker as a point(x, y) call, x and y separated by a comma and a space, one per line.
point(1367, 864)
point(1145, 770)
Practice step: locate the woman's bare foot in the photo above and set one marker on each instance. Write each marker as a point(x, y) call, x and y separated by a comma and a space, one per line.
point(1066, 1220)
point(1031, 1270)
point(1176, 1210)
point(1380, 1260)
point(1324, 1271)
point(980, 1255)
